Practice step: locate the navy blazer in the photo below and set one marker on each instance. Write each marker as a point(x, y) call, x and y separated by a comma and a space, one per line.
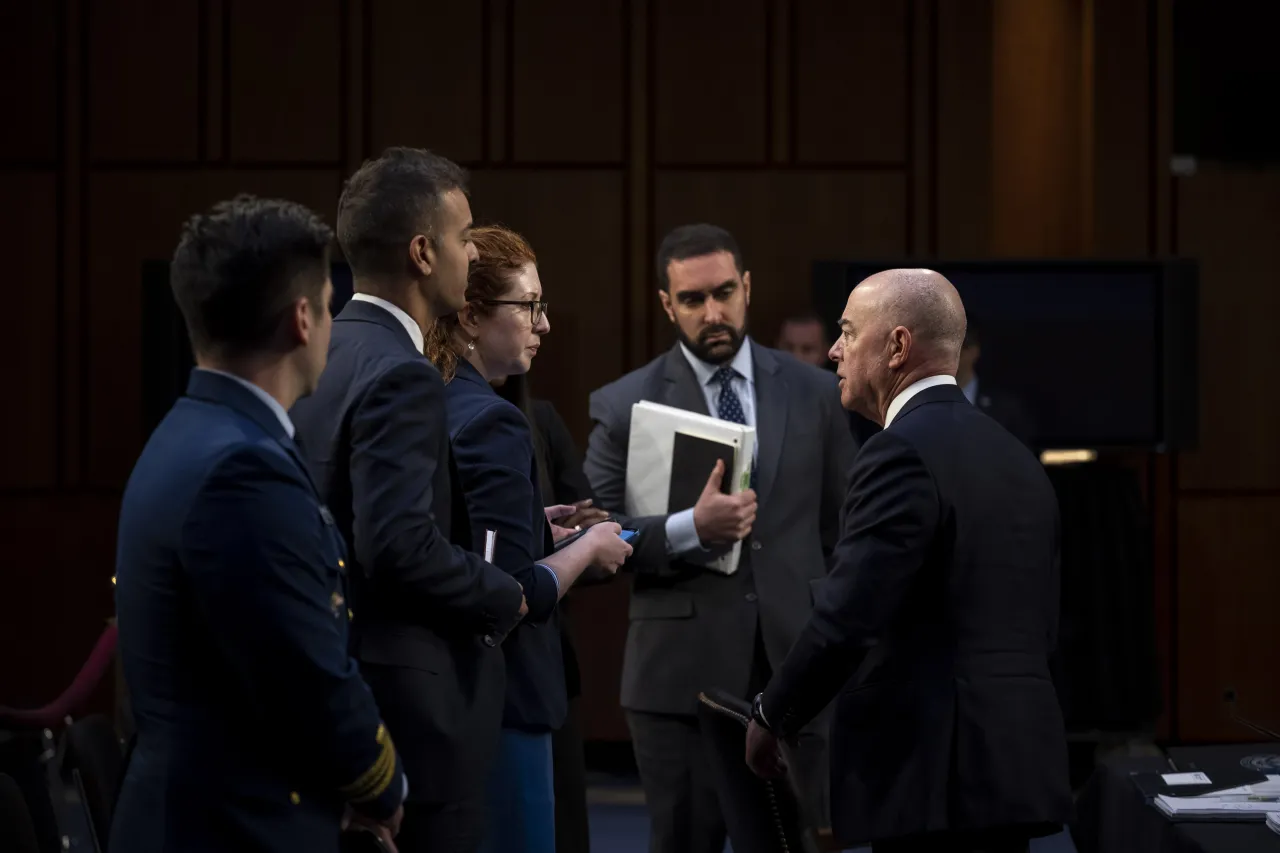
point(253, 724)
point(493, 445)
point(935, 629)
point(429, 614)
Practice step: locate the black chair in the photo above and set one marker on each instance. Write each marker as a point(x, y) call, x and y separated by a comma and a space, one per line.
point(94, 760)
point(760, 815)
point(17, 832)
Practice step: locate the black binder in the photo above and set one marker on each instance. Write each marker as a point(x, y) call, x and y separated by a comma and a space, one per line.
point(692, 459)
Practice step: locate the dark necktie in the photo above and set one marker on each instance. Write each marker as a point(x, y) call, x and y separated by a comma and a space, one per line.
point(730, 406)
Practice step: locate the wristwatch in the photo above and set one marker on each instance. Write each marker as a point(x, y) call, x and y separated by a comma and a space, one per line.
point(757, 712)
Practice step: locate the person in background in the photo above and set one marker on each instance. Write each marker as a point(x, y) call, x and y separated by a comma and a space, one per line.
point(691, 628)
point(805, 337)
point(937, 621)
point(429, 614)
point(495, 336)
point(254, 728)
point(1003, 407)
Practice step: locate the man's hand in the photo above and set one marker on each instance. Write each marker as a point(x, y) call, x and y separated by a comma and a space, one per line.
point(607, 546)
point(584, 515)
point(559, 513)
point(764, 755)
point(722, 519)
point(385, 831)
point(524, 606)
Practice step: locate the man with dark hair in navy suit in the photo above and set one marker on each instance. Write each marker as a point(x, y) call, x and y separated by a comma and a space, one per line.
point(255, 730)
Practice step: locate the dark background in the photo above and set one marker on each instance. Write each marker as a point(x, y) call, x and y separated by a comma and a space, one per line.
point(811, 128)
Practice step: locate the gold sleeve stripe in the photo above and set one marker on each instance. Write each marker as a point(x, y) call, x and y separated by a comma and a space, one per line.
point(374, 781)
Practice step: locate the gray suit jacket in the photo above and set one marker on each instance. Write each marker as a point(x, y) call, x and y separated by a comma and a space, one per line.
point(692, 629)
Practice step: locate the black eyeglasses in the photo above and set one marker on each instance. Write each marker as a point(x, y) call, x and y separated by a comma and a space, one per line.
point(537, 308)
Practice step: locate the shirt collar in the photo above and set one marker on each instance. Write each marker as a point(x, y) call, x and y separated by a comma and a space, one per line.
point(271, 402)
point(913, 389)
point(410, 325)
point(741, 362)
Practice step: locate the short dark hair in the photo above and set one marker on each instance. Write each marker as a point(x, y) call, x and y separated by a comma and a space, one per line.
point(694, 241)
point(804, 317)
point(239, 267)
point(389, 201)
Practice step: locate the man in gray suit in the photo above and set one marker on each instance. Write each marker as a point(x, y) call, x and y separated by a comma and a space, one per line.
point(693, 629)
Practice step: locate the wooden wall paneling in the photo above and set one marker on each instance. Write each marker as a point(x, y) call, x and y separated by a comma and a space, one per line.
point(963, 204)
point(639, 196)
point(425, 66)
point(214, 38)
point(711, 82)
point(285, 92)
point(29, 55)
point(922, 127)
point(851, 81)
point(784, 47)
point(1228, 221)
point(72, 269)
point(60, 550)
point(29, 347)
point(568, 81)
point(353, 85)
point(1228, 585)
point(144, 80)
point(1122, 141)
point(1037, 134)
point(134, 217)
point(784, 220)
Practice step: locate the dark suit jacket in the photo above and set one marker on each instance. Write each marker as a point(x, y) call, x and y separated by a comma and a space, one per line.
point(945, 592)
point(253, 725)
point(493, 445)
point(428, 614)
point(692, 629)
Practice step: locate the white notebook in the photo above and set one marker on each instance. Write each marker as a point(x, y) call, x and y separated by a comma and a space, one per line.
point(1229, 808)
point(649, 461)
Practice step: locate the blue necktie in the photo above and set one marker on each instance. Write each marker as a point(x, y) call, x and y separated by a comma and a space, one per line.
point(730, 407)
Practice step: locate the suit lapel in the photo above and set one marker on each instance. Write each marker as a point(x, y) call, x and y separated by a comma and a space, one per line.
point(772, 404)
point(680, 386)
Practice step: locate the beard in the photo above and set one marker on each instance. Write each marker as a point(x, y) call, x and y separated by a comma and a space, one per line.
point(714, 352)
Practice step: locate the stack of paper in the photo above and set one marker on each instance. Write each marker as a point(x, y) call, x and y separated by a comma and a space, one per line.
point(1218, 807)
point(1273, 822)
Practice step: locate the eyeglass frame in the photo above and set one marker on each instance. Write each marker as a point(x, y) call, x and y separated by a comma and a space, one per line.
point(538, 305)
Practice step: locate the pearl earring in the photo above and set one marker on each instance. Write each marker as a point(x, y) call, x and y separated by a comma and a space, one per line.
point(471, 346)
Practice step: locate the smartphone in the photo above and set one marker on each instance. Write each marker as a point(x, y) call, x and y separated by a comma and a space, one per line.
point(628, 534)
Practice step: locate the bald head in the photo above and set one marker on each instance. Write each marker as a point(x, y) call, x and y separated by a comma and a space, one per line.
point(899, 326)
point(921, 301)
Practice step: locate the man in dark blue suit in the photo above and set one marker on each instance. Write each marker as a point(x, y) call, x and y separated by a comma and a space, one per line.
point(430, 615)
point(255, 730)
point(935, 625)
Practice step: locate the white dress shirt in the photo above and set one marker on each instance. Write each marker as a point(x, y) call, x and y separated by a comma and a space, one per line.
point(682, 535)
point(271, 402)
point(410, 324)
point(913, 389)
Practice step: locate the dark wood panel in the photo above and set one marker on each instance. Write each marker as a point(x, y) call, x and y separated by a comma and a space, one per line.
point(710, 81)
point(61, 554)
point(134, 217)
point(1229, 222)
point(28, 80)
point(29, 346)
point(144, 80)
point(286, 92)
point(580, 260)
point(426, 77)
point(568, 81)
point(851, 81)
point(962, 198)
point(1121, 126)
point(1227, 589)
point(784, 221)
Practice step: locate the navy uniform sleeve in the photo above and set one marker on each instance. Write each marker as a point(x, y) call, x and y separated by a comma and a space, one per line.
point(254, 548)
point(891, 517)
point(394, 428)
point(494, 452)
